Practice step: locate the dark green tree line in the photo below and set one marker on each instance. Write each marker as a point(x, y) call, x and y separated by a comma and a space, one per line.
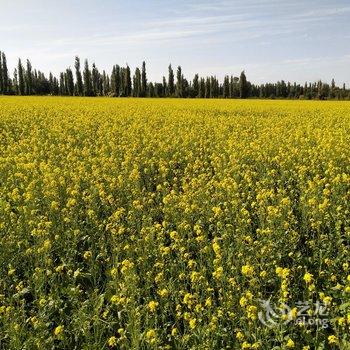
point(120, 83)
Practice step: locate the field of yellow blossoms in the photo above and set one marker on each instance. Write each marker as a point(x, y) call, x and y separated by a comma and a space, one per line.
point(174, 224)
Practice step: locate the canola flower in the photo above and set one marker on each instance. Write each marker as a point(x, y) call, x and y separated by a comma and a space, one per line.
point(332, 339)
point(58, 331)
point(112, 341)
point(290, 344)
point(162, 224)
point(308, 277)
point(247, 270)
point(152, 305)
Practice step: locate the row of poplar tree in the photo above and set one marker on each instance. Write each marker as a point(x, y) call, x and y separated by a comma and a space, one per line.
point(88, 81)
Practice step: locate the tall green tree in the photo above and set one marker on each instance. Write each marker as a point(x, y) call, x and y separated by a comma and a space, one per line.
point(137, 83)
point(118, 80)
point(87, 80)
point(185, 87)
point(5, 75)
point(207, 91)
point(15, 82)
point(122, 82)
point(21, 78)
point(95, 80)
point(178, 88)
point(55, 86)
point(115, 81)
point(128, 88)
point(226, 87)
point(214, 87)
point(158, 90)
point(51, 83)
point(28, 79)
point(171, 84)
point(1, 77)
point(196, 86)
point(165, 87)
point(150, 90)
point(69, 82)
point(332, 90)
point(243, 86)
point(79, 79)
point(143, 80)
point(201, 88)
point(105, 84)
point(63, 90)
point(235, 87)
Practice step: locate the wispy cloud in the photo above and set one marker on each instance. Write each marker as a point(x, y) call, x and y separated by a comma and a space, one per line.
point(326, 12)
point(132, 38)
point(237, 5)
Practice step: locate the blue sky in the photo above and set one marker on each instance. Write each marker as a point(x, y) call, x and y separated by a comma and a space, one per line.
point(293, 40)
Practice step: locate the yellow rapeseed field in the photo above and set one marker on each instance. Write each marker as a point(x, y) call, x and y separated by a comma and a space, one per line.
point(174, 224)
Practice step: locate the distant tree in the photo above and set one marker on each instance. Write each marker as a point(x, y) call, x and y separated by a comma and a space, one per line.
point(137, 83)
point(231, 91)
point(342, 92)
point(308, 91)
point(207, 92)
point(332, 90)
point(95, 80)
point(62, 84)
point(41, 85)
point(21, 79)
point(243, 86)
point(56, 86)
point(143, 80)
point(69, 82)
point(150, 89)
point(113, 83)
point(158, 90)
point(178, 88)
point(87, 80)
point(4, 75)
point(226, 87)
point(15, 82)
point(105, 84)
point(236, 89)
point(28, 79)
point(196, 86)
point(122, 92)
point(128, 88)
point(51, 83)
point(320, 90)
point(214, 87)
point(165, 87)
point(118, 80)
point(201, 88)
point(289, 90)
point(171, 84)
point(79, 79)
point(185, 87)
point(1, 77)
